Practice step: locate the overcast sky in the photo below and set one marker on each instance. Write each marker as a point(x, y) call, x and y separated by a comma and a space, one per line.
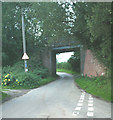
point(63, 57)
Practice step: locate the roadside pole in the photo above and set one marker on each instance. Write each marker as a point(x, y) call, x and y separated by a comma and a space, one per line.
point(25, 56)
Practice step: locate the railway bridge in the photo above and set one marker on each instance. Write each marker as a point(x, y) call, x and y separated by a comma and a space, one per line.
point(89, 65)
point(49, 54)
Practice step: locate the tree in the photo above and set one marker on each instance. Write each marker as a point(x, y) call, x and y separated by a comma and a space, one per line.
point(47, 23)
point(74, 60)
point(11, 34)
point(100, 29)
point(92, 29)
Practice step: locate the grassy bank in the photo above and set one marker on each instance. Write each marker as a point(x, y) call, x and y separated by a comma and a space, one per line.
point(67, 71)
point(98, 86)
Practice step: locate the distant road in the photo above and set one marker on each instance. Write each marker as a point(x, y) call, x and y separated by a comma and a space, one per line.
point(59, 99)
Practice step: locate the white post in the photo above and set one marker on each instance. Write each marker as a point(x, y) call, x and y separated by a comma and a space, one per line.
point(24, 42)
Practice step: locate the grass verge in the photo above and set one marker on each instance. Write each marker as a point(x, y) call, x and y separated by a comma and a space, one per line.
point(47, 80)
point(40, 83)
point(67, 71)
point(97, 86)
point(4, 96)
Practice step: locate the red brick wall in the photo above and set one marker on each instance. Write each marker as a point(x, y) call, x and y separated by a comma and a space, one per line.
point(92, 66)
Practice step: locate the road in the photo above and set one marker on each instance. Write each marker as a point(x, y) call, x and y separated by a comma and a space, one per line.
point(58, 99)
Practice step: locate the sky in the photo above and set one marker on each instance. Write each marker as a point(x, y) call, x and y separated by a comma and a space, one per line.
point(63, 57)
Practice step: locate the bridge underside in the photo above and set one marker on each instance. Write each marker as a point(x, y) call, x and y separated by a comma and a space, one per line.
point(49, 57)
point(65, 49)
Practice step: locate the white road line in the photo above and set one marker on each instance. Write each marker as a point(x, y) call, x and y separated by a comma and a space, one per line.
point(90, 95)
point(75, 113)
point(90, 104)
point(81, 98)
point(90, 98)
point(80, 101)
point(80, 104)
point(90, 109)
point(78, 108)
point(90, 101)
point(90, 114)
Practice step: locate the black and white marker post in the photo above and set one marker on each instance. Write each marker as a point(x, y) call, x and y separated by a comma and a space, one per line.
point(25, 56)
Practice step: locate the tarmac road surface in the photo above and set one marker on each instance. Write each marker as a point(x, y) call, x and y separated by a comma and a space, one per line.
point(58, 99)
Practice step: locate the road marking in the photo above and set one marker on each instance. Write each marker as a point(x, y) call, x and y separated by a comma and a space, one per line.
point(90, 95)
point(90, 98)
point(78, 108)
point(75, 113)
point(90, 101)
point(80, 104)
point(90, 104)
point(90, 109)
point(90, 114)
point(82, 98)
point(80, 101)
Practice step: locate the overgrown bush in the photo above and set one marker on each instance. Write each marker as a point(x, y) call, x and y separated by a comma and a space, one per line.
point(10, 80)
point(15, 76)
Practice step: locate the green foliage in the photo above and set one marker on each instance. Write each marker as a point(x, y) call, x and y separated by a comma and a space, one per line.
point(74, 60)
point(101, 38)
point(15, 76)
point(28, 79)
point(5, 57)
point(64, 65)
point(10, 80)
point(21, 79)
point(47, 23)
point(52, 17)
point(73, 63)
point(98, 86)
point(38, 18)
point(47, 80)
point(93, 29)
point(4, 96)
point(11, 40)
